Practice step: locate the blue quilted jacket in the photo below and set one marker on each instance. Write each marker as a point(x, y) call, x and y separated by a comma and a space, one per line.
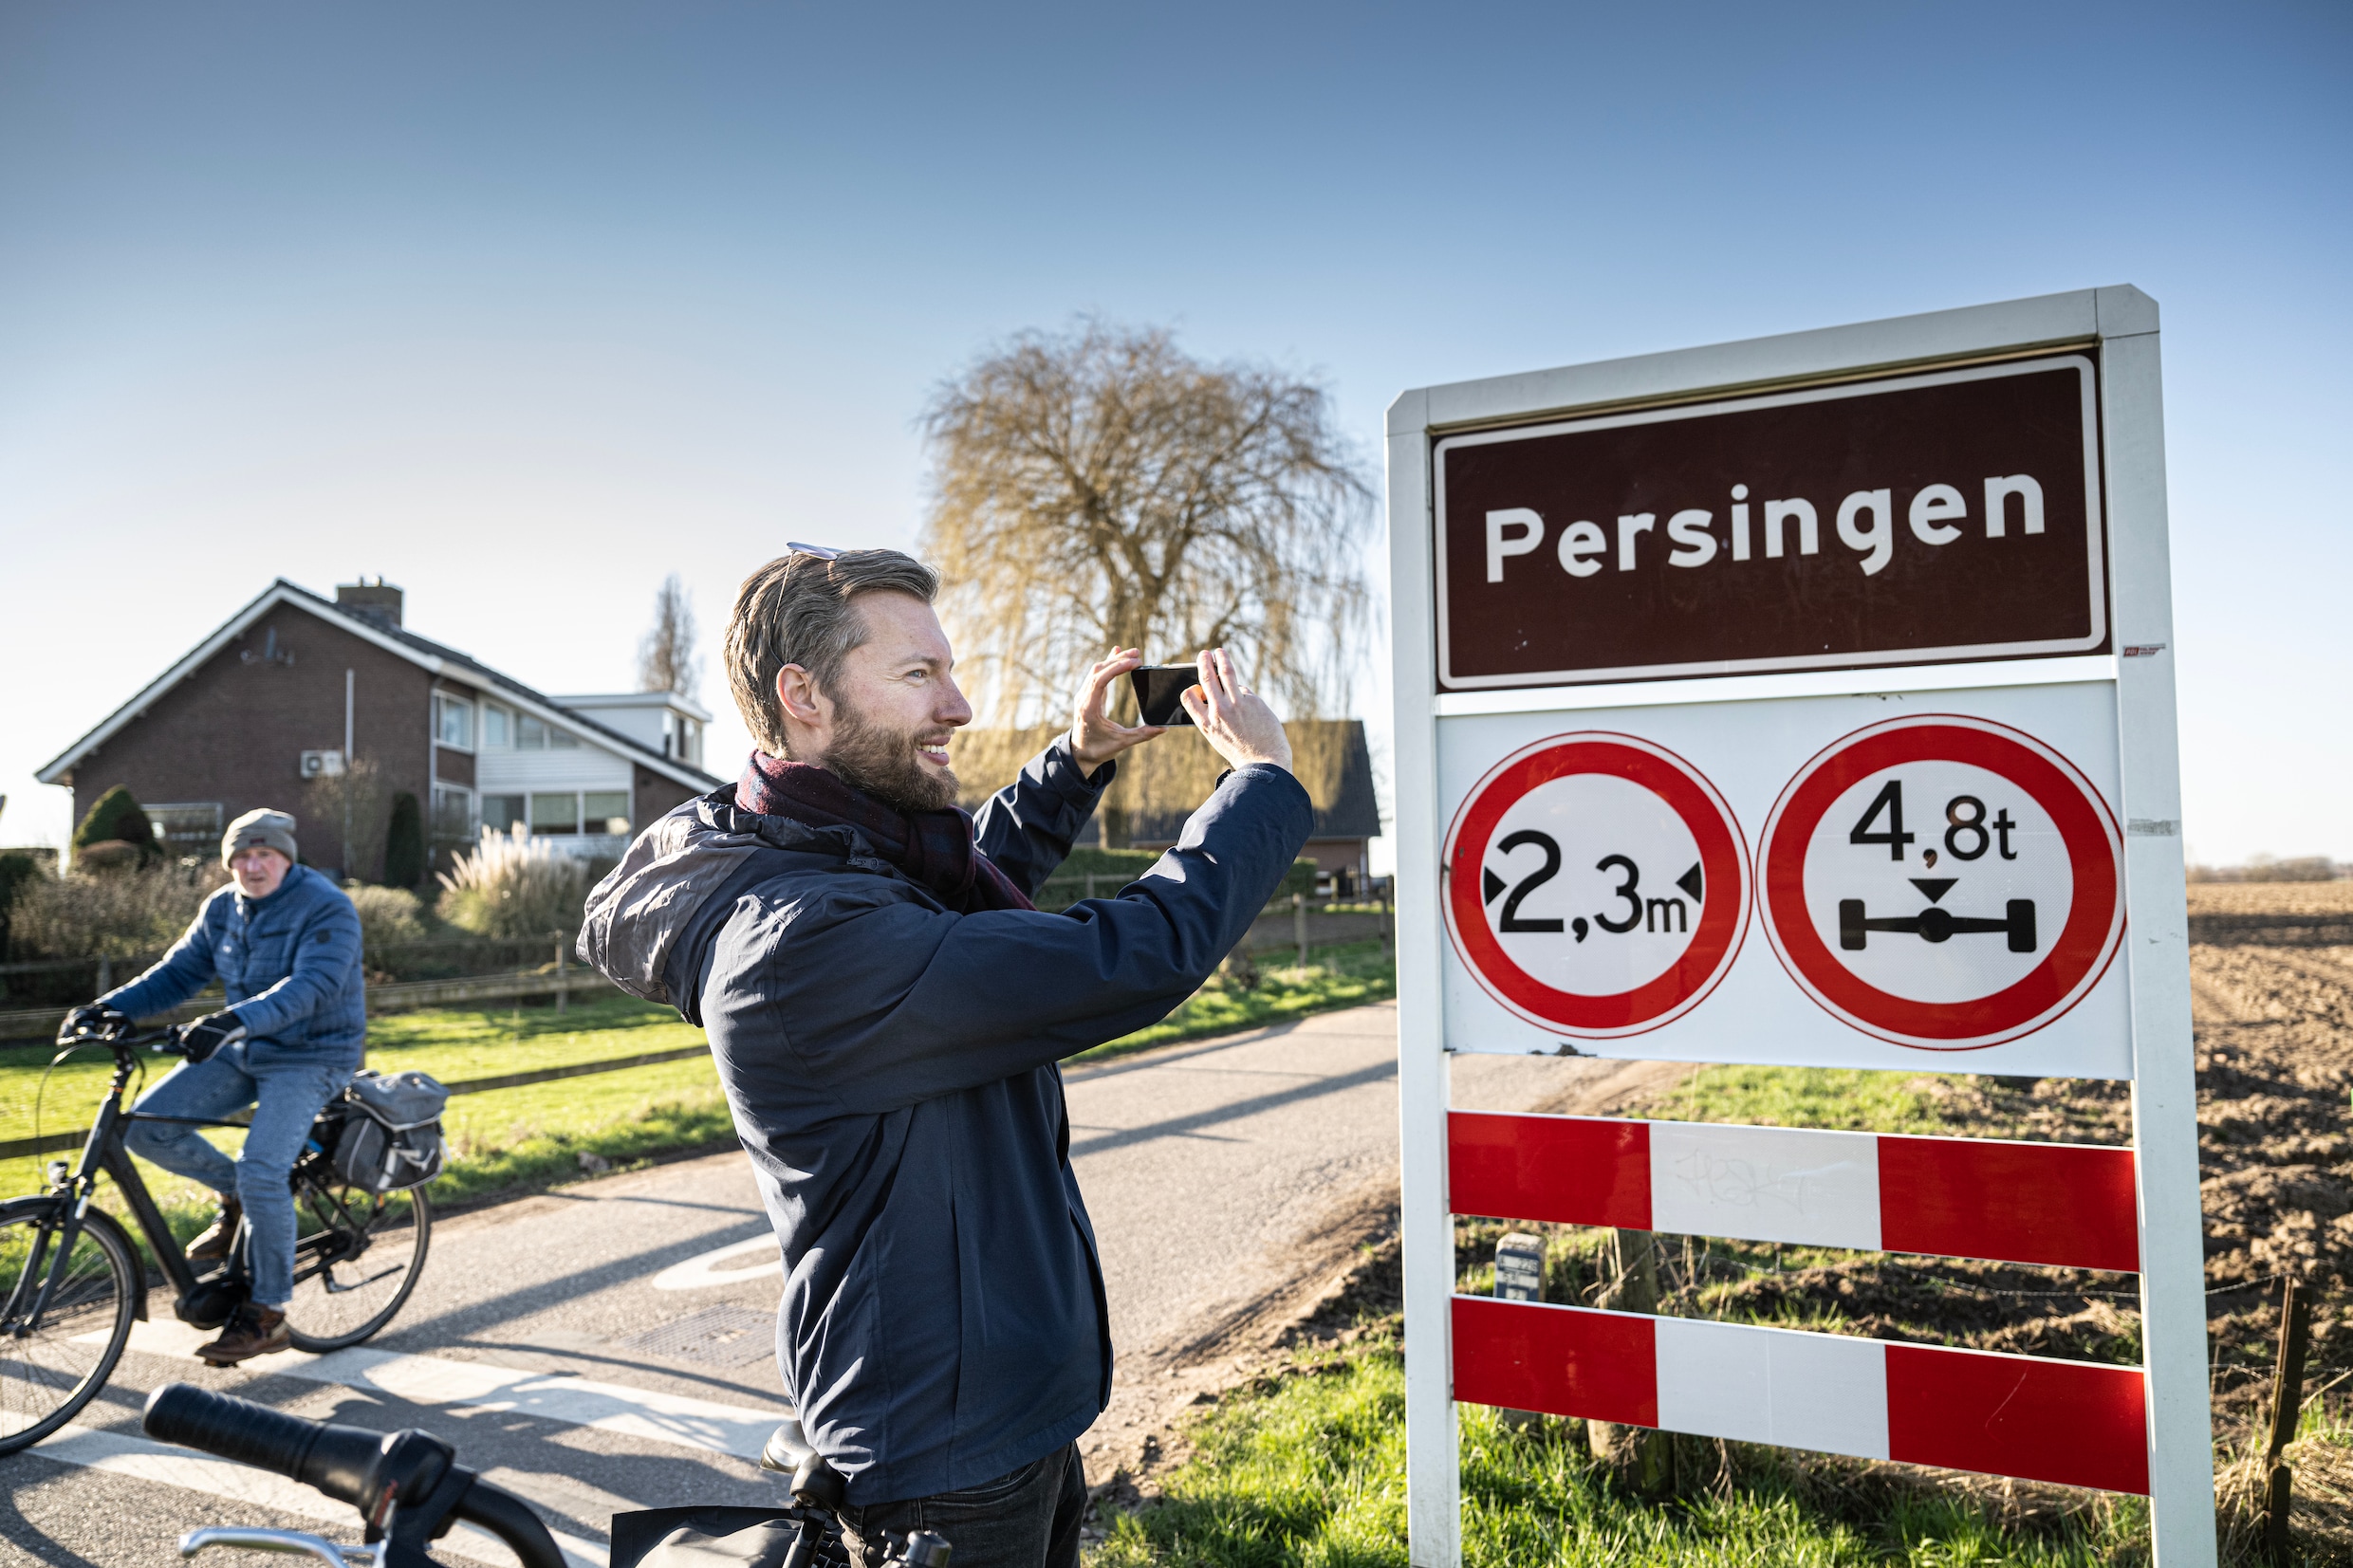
point(290, 963)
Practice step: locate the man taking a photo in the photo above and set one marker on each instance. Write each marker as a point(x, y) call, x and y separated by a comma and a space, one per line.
point(887, 1009)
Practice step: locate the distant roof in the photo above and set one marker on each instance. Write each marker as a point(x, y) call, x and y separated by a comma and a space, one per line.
point(437, 658)
point(1164, 780)
point(676, 700)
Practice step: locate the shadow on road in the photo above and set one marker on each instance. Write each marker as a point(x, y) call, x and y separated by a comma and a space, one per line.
point(1181, 1126)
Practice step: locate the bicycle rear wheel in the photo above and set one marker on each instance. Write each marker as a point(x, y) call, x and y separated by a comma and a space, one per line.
point(51, 1367)
point(357, 1261)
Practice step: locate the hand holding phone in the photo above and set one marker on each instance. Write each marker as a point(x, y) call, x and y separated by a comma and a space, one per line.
point(1235, 720)
point(1096, 737)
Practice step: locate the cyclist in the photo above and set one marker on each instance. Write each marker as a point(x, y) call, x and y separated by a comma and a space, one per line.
point(284, 941)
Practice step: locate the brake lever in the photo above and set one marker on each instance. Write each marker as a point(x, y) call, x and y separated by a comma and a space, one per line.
point(296, 1542)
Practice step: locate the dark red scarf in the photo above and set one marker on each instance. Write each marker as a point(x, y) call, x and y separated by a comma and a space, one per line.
point(934, 848)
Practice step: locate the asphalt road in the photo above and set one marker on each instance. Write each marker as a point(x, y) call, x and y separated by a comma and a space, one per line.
point(608, 1346)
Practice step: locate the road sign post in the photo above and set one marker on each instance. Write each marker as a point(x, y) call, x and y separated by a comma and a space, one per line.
point(1806, 700)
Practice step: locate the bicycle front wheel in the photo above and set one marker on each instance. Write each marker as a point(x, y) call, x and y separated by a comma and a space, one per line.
point(356, 1262)
point(62, 1329)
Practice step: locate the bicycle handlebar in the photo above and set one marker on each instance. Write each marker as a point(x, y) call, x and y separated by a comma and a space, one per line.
point(374, 1472)
point(163, 1038)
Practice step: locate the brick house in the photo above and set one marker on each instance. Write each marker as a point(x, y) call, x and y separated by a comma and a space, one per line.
point(268, 707)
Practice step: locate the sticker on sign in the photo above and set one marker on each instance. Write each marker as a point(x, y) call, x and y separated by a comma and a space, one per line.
point(1598, 884)
point(1943, 882)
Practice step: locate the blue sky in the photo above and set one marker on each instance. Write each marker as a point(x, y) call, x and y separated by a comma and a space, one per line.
point(525, 307)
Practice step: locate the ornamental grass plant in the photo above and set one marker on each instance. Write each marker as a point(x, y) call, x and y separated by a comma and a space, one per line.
point(513, 885)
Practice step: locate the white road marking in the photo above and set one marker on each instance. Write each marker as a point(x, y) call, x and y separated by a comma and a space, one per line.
point(119, 1453)
point(702, 1270)
point(465, 1387)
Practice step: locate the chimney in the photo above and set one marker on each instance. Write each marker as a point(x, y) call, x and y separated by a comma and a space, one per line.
point(378, 601)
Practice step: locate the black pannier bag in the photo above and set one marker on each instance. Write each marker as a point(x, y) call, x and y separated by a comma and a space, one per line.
point(391, 1136)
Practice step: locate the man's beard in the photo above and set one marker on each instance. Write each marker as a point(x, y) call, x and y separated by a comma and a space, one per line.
point(881, 763)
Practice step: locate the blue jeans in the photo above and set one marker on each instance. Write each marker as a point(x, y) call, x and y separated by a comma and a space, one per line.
point(285, 1096)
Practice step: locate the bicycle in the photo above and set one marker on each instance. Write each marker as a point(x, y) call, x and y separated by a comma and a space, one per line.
point(71, 1285)
point(410, 1490)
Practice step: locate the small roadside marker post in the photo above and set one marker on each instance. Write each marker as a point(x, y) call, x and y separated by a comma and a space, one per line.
point(1807, 700)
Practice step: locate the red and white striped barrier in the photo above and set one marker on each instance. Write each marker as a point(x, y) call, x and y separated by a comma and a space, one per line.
point(2067, 1206)
point(2075, 1423)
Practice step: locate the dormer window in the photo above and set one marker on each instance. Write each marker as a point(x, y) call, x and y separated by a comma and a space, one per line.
point(453, 721)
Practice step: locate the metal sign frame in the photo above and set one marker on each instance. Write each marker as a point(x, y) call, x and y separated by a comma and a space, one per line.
point(2122, 324)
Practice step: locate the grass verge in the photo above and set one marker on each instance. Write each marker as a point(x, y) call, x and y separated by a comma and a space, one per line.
point(1307, 1467)
point(502, 1141)
point(1843, 1099)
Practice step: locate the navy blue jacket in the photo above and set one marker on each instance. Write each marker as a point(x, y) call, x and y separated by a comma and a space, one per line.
point(891, 1069)
point(289, 963)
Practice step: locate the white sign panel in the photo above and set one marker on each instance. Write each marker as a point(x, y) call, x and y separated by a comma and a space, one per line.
point(1934, 883)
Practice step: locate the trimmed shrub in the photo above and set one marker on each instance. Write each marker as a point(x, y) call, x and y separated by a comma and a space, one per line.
point(117, 816)
point(123, 915)
point(110, 855)
point(513, 886)
point(387, 915)
point(404, 843)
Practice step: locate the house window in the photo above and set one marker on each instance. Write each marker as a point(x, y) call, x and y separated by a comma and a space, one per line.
point(453, 721)
point(501, 812)
point(555, 814)
point(494, 728)
point(536, 735)
point(606, 812)
point(453, 812)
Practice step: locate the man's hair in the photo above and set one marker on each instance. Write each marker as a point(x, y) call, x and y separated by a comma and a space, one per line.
point(796, 610)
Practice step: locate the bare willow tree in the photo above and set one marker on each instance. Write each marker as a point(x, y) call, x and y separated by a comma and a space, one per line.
point(666, 657)
point(1102, 487)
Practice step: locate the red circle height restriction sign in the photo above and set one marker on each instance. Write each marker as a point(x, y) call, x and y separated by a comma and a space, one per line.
point(1597, 884)
point(1942, 882)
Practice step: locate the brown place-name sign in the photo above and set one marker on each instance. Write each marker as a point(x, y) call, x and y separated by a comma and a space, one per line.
point(1922, 518)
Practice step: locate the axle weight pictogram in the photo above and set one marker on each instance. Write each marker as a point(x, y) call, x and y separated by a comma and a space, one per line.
point(1936, 924)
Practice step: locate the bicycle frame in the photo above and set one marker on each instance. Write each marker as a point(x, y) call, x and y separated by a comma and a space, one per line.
point(103, 1151)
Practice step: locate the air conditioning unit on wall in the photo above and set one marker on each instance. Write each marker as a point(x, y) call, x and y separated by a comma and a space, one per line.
point(322, 764)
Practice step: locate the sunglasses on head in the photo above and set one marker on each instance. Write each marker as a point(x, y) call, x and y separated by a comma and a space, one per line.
point(821, 552)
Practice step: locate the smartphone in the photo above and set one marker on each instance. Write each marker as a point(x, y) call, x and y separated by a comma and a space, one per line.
point(1157, 686)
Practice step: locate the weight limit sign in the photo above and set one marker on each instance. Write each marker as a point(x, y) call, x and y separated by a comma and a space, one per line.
point(1596, 885)
point(1942, 882)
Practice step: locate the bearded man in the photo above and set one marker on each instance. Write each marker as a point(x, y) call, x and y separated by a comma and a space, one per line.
point(887, 1009)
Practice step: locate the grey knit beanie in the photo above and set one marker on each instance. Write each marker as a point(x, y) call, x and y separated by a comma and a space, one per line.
point(261, 828)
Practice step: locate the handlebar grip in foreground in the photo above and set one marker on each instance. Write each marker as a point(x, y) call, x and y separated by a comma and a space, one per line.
point(375, 1472)
point(336, 1460)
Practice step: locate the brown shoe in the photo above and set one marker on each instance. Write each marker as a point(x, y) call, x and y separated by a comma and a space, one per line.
point(253, 1330)
point(212, 1245)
